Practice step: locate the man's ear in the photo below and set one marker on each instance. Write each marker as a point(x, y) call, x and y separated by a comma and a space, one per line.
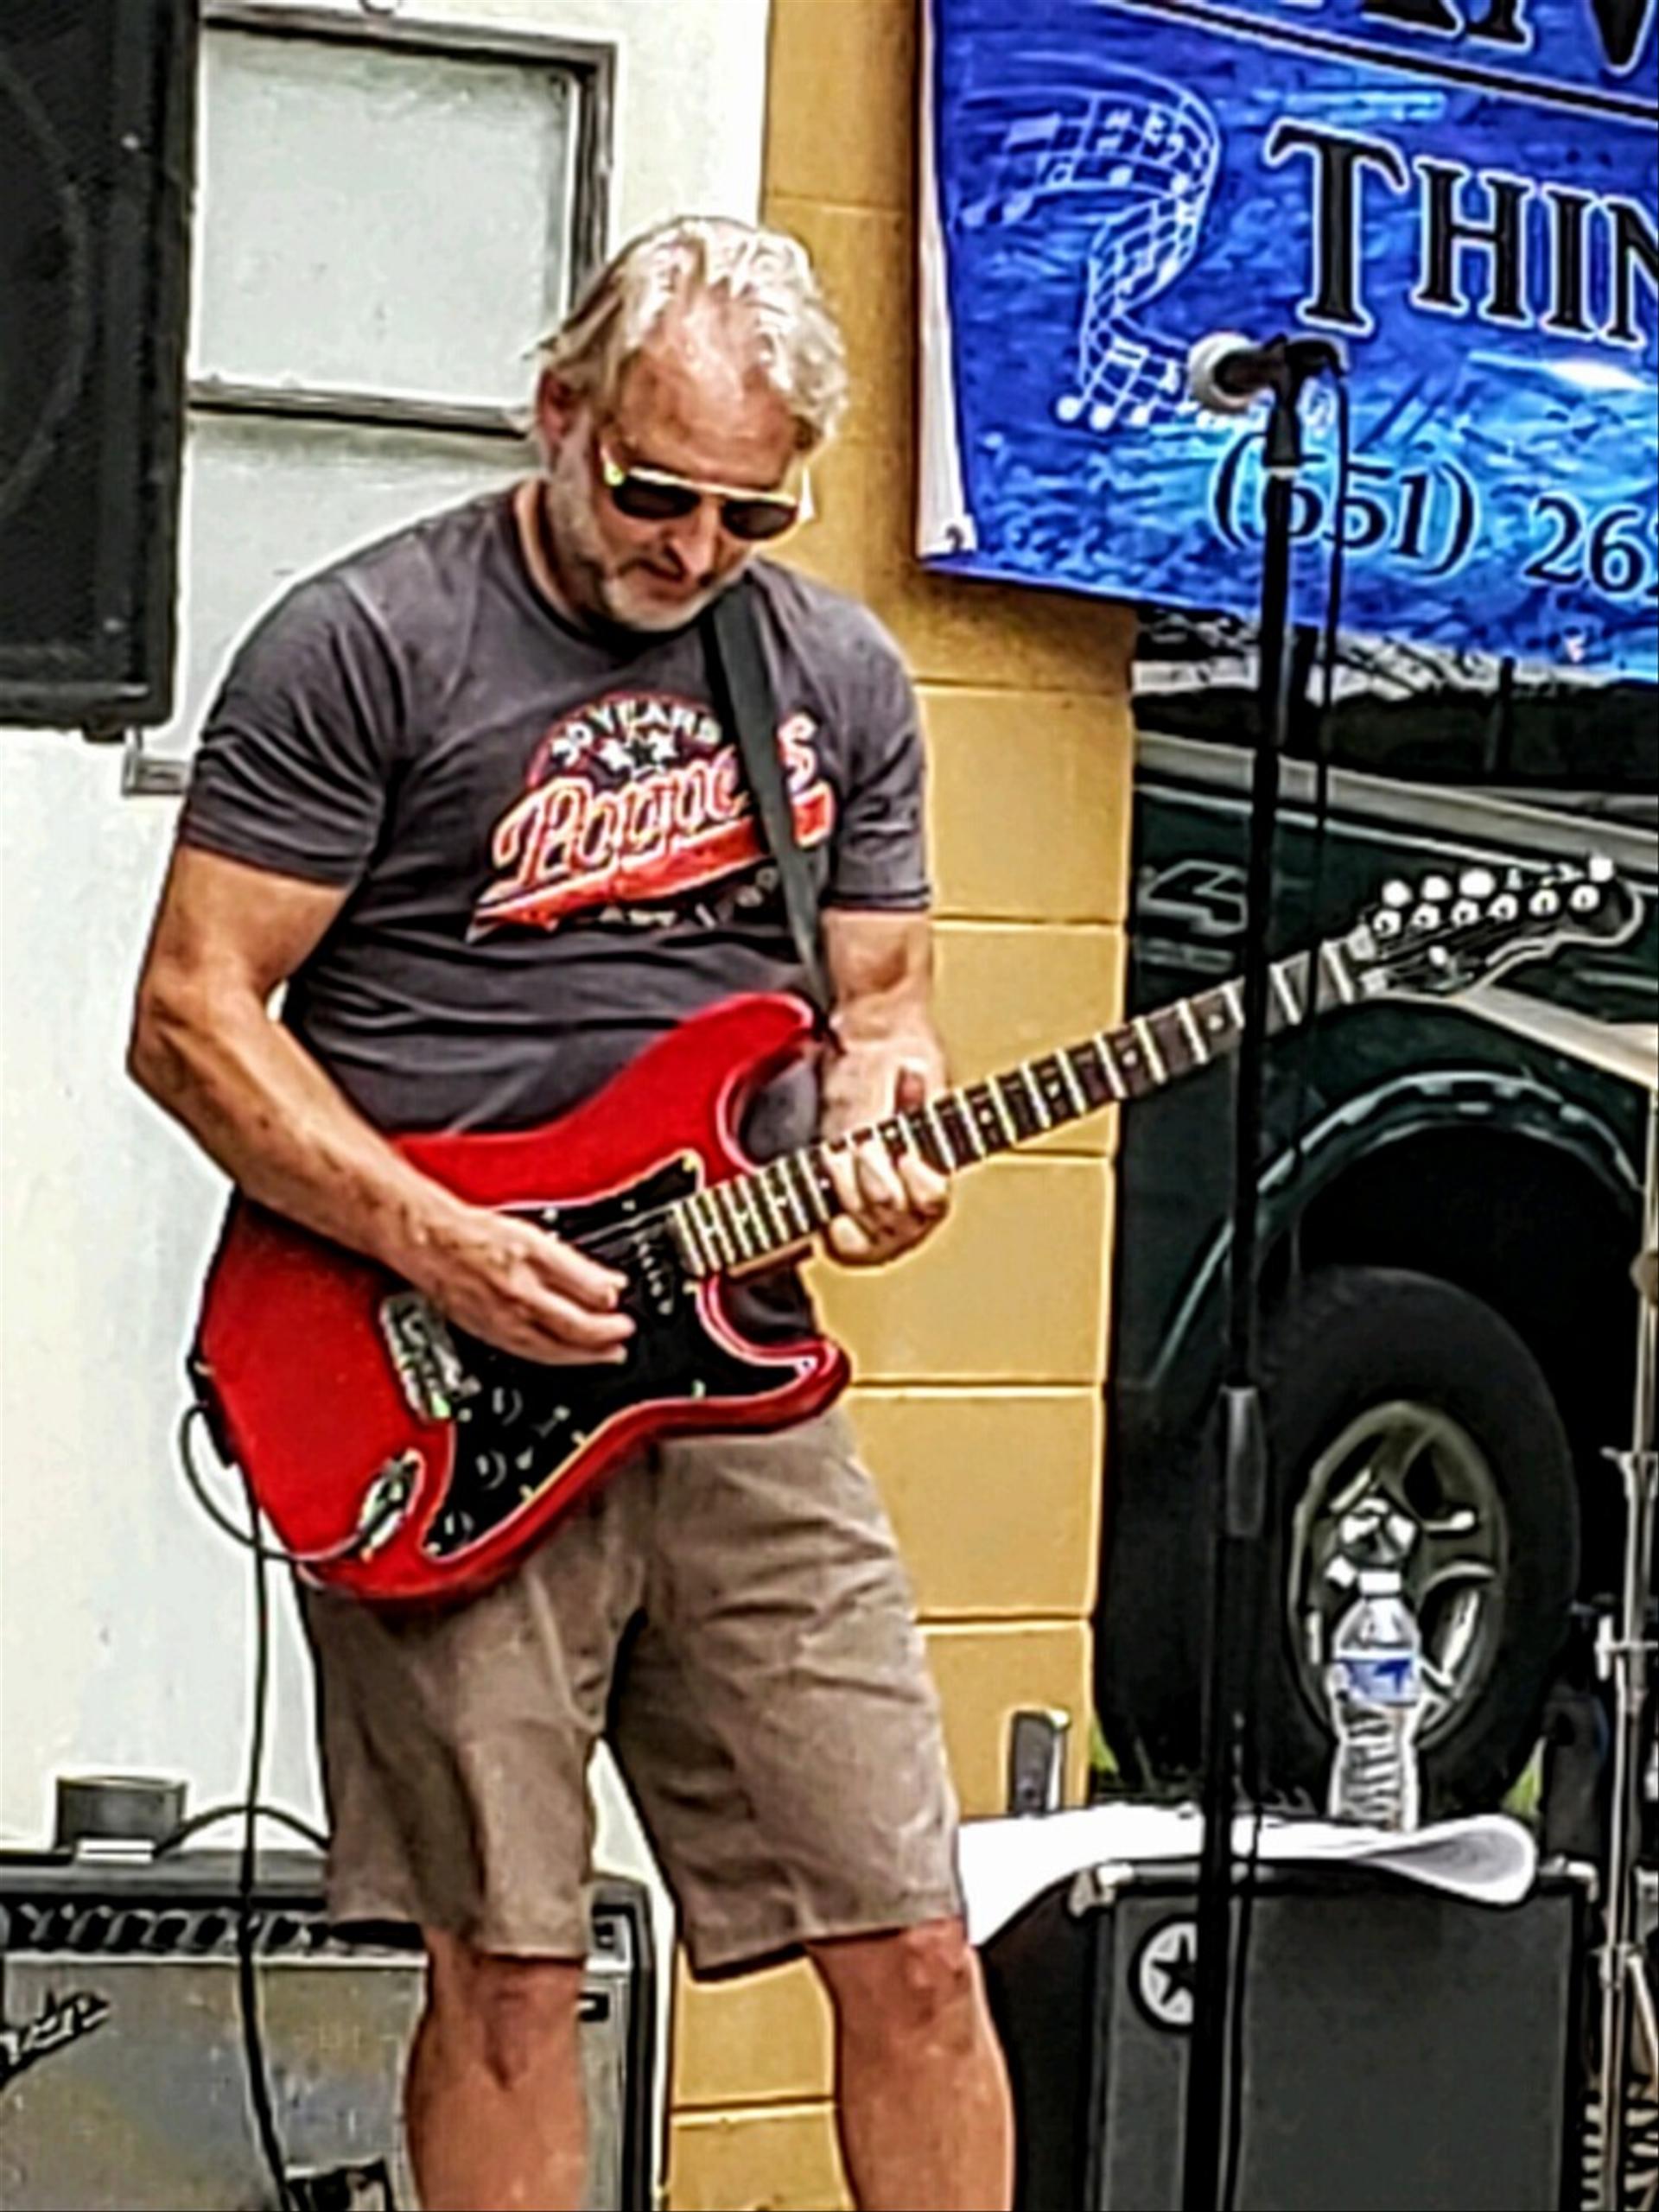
point(556, 408)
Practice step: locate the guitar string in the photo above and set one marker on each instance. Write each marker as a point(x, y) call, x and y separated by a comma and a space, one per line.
point(622, 1239)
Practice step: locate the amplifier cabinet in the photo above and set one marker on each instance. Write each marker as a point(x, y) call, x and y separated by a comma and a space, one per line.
point(1402, 2050)
point(123, 2083)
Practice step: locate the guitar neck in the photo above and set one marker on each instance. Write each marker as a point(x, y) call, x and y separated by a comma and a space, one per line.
point(777, 1208)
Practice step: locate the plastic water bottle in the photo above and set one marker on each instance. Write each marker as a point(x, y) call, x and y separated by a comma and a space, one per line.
point(1375, 1682)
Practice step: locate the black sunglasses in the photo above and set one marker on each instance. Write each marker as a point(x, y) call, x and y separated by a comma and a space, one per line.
point(655, 495)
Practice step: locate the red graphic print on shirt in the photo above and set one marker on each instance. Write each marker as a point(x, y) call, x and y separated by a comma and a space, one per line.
point(634, 797)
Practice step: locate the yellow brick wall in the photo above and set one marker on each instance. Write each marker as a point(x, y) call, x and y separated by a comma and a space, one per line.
point(979, 1360)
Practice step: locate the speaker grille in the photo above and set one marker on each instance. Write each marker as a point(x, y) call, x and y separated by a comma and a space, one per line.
point(123, 1932)
point(129, 1970)
point(96, 101)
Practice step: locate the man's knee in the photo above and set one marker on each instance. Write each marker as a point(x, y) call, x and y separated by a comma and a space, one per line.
point(908, 1982)
point(516, 2018)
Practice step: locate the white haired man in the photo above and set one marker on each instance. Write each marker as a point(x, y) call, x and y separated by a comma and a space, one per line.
point(392, 811)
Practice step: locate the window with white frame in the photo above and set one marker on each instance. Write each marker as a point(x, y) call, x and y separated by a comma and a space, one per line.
point(387, 220)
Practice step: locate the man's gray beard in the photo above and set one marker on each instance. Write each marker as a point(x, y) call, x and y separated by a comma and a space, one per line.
point(571, 523)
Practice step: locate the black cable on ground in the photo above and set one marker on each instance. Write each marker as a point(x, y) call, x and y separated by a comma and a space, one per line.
point(197, 1821)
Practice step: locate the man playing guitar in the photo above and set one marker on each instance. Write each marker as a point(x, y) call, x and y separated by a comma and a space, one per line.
point(464, 794)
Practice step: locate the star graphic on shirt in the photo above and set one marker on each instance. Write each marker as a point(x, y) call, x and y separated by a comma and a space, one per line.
point(638, 751)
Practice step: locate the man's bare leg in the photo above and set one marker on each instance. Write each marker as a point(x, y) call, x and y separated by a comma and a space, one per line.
point(922, 2096)
point(493, 2098)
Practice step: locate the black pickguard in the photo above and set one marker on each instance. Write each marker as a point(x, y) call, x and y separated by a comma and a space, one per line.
point(519, 1423)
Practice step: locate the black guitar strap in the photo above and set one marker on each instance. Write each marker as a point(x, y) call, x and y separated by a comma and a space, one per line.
point(741, 684)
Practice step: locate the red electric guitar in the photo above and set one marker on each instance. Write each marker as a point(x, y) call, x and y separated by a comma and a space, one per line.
point(400, 1459)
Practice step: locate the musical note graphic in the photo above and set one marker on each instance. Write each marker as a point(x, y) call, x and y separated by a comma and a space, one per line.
point(1130, 161)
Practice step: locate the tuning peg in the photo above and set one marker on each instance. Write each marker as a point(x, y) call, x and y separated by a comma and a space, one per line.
point(1464, 912)
point(1505, 907)
point(1439, 956)
point(1396, 893)
point(1544, 903)
point(1385, 923)
point(1583, 897)
point(1437, 888)
point(1476, 883)
point(1600, 868)
point(1426, 918)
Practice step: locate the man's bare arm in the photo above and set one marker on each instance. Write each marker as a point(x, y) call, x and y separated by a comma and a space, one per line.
point(206, 1047)
point(887, 1056)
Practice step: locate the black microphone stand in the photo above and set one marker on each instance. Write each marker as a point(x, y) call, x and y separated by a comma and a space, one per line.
point(1240, 1507)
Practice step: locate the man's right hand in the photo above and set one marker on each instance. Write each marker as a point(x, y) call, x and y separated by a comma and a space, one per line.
point(206, 1047)
point(519, 1287)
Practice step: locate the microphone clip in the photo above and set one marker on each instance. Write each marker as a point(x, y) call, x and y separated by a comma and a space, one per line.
point(1226, 370)
point(1297, 361)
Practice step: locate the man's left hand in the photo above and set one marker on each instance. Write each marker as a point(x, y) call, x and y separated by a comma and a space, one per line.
point(888, 1206)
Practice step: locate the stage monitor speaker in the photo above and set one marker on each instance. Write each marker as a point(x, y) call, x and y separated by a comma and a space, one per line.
point(96, 152)
point(123, 2085)
point(1402, 2050)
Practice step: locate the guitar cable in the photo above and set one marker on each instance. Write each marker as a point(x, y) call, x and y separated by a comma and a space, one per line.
point(361, 1538)
point(255, 2064)
point(261, 1553)
point(1305, 1035)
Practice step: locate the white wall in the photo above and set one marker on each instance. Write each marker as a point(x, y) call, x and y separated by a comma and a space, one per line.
point(125, 1624)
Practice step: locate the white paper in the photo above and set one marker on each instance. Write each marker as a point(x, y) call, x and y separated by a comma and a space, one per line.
point(1005, 1863)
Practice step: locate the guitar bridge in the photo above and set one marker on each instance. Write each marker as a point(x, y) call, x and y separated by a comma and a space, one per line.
point(424, 1354)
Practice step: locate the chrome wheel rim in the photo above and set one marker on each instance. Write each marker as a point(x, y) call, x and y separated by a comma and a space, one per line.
point(1427, 1488)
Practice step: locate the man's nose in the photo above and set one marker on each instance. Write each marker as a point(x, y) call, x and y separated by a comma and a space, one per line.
point(696, 537)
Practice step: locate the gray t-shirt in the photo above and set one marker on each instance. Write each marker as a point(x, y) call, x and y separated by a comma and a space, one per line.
point(549, 846)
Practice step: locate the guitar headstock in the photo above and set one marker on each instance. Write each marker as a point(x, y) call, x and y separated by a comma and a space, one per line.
point(1442, 936)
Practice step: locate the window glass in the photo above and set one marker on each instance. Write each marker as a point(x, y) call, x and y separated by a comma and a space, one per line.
point(377, 220)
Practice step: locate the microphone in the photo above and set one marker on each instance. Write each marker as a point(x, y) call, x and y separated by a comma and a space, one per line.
point(1226, 370)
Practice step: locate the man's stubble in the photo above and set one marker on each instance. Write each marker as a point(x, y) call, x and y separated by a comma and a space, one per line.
point(585, 577)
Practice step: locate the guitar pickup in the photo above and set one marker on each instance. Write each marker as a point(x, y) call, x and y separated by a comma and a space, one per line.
point(423, 1356)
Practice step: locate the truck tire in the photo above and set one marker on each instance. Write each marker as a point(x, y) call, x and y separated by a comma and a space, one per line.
point(1408, 1386)
point(1382, 1384)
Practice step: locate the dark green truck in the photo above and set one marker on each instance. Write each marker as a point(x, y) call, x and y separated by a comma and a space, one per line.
point(1451, 1213)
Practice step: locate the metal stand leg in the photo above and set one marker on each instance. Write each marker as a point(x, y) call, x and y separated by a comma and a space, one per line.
point(1624, 1980)
point(1626, 1998)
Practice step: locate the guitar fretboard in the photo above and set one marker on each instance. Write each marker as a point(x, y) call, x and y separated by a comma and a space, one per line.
point(777, 1208)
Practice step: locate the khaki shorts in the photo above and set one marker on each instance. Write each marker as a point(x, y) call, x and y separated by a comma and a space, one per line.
point(731, 1613)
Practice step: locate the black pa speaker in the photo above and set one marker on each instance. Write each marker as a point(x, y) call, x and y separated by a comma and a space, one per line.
point(97, 100)
point(123, 2083)
point(1402, 2050)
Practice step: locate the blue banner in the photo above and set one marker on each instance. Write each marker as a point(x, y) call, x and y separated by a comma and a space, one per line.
point(1461, 191)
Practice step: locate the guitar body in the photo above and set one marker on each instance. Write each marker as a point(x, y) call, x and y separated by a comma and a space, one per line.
point(425, 1460)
